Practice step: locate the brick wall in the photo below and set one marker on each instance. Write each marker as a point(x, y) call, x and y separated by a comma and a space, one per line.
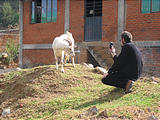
point(77, 19)
point(109, 20)
point(82, 56)
point(151, 57)
point(6, 35)
point(44, 33)
point(41, 33)
point(37, 57)
point(144, 27)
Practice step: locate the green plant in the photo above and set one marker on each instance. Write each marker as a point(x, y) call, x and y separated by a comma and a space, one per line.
point(12, 50)
point(8, 16)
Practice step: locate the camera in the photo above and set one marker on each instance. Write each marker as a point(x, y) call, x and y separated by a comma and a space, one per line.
point(110, 45)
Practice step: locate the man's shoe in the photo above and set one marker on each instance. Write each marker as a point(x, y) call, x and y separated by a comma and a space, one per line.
point(129, 91)
point(129, 86)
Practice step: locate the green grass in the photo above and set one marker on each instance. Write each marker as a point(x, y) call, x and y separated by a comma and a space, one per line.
point(86, 91)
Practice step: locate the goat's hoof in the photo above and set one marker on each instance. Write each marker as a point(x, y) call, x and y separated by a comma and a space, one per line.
point(62, 71)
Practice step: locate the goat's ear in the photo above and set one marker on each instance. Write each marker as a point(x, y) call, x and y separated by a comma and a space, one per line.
point(68, 33)
point(70, 47)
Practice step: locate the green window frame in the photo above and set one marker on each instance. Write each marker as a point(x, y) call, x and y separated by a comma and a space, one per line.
point(155, 5)
point(150, 6)
point(43, 11)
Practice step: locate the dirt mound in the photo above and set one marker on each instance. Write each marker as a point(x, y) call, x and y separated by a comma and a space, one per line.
point(29, 92)
point(33, 83)
point(37, 83)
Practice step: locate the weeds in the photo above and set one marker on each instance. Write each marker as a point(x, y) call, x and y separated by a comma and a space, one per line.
point(12, 51)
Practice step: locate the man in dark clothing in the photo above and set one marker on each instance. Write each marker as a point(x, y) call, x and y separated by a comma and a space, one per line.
point(127, 67)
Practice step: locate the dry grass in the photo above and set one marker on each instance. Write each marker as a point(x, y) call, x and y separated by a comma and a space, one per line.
point(45, 93)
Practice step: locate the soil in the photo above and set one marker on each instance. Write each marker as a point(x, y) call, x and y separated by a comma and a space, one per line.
point(40, 84)
point(8, 68)
point(123, 113)
point(44, 83)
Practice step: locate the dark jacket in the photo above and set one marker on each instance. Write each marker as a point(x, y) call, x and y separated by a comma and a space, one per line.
point(128, 64)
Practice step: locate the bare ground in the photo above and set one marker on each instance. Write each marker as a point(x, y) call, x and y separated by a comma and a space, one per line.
point(44, 83)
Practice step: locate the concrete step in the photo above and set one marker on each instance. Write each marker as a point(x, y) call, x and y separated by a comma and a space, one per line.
point(101, 55)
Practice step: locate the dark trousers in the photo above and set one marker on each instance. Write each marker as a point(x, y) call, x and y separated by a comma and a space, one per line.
point(115, 81)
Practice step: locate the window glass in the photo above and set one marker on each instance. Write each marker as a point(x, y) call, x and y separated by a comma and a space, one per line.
point(98, 7)
point(54, 11)
point(44, 10)
point(38, 11)
point(146, 6)
point(33, 12)
point(93, 8)
point(49, 11)
point(155, 5)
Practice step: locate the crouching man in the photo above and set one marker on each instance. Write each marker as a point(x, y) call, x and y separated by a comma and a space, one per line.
point(127, 67)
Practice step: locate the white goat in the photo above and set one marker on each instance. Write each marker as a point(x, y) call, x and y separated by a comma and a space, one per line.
point(63, 47)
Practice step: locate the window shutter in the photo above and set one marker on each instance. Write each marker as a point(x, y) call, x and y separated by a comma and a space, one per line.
point(49, 11)
point(54, 11)
point(155, 5)
point(146, 6)
point(44, 9)
point(33, 12)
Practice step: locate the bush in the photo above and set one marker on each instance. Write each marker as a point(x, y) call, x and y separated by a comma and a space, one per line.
point(12, 51)
point(8, 16)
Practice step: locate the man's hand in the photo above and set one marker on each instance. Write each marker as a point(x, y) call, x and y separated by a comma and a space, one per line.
point(113, 51)
point(105, 75)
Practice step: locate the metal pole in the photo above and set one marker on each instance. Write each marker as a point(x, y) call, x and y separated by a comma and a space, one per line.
point(67, 6)
point(121, 17)
point(21, 33)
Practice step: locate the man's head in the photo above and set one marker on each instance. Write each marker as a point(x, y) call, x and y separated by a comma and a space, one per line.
point(126, 37)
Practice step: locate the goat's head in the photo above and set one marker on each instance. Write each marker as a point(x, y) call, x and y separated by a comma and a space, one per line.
point(70, 37)
point(70, 40)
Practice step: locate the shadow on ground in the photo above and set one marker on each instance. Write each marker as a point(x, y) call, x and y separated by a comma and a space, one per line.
point(114, 94)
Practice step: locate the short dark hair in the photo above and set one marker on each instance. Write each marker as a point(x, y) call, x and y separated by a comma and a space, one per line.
point(127, 36)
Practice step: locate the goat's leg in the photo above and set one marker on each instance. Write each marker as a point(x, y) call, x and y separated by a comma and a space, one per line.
point(56, 59)
point(65, 60)
point(73, 62)
point(62, 61)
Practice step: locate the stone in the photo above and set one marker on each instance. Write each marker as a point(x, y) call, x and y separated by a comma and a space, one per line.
point(154, 82)
point(92, 111)
point(90, 66)
point(101, 70)
point(6, 112)
point(4, 55)
point(85, 64)
point(103, 114)
point(2, 76)
point(152, 118)
point(18, 68)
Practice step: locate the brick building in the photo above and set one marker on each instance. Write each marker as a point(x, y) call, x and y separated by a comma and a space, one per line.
point(93, 25)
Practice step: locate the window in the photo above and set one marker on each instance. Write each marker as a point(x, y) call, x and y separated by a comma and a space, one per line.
point(43, 11)
point(149, 6)
point(93, 8)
